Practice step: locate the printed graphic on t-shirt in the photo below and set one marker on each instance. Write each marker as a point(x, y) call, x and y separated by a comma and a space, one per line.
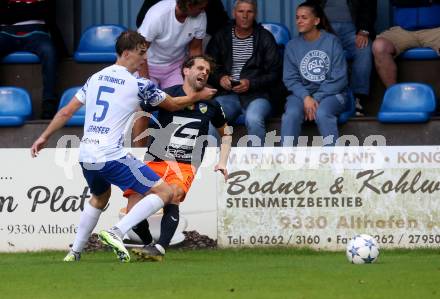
point(183, 140)
point(315, 65)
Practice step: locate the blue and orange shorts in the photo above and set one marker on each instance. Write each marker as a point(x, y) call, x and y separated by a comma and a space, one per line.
point(174, 173)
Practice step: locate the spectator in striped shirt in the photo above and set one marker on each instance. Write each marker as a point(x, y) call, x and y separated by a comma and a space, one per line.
point(249, 64)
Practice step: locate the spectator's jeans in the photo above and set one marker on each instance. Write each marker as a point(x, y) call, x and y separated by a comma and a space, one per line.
point(37, 42)
point(362, 59)
point(255, 114)
point(326, 118)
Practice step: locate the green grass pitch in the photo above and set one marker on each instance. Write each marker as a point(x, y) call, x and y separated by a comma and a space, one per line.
point(244, 273)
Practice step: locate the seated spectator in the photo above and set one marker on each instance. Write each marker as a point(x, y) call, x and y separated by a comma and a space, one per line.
point(25, 26)
point(216, 15)
point(392, 42)
point(315, 71)
point(249, 64)
point(172, 28)
point(353, 22)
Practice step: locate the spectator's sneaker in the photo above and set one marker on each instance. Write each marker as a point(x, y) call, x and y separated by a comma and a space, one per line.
point(72, 256)
point(109, 238)
point(149, 253)
point(359, 108)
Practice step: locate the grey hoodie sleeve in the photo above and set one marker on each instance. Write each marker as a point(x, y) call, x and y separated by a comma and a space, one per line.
point(291, 76)
point(336, 80)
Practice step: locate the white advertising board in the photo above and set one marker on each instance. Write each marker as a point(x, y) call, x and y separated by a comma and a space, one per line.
point(320, 197)
point(41, 200)
point(315, 197)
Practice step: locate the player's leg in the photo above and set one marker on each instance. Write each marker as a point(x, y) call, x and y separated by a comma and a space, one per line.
point(101, 192)
point(168, 226)
point(130, 173)
point(159, 195)
point(170, 219)
point(180, 182)
point(147, 206)
point(142, 229)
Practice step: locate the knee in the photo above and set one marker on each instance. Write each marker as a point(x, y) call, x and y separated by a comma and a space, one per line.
point(382, 47)
point(133, 199)
point(98, 204)
point(100, 201)
point(178, 195)
point(164, 191)
point(253, 119)
point(323, 116)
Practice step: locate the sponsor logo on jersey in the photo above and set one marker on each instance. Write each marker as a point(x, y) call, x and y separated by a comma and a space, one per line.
point(203, 107)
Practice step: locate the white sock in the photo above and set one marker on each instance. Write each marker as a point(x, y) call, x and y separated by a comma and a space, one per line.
point(87, 222)
point(160, 248)
point(142, 210)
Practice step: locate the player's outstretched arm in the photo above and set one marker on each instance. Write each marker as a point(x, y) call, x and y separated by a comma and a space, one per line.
point(178, 103)
point(225, 148)
point(57, 122)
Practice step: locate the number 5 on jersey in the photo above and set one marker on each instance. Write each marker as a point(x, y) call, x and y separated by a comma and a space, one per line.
point(102, 102)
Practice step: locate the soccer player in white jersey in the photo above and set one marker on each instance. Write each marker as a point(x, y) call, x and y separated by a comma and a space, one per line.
point(111, 97)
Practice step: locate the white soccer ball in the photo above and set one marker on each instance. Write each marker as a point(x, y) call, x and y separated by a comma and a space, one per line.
point(362, 249)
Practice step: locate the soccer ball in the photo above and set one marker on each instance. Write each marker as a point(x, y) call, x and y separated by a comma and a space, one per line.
point(362, 249)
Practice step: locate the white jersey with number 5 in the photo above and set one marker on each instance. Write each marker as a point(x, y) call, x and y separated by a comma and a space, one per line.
point(111, 97)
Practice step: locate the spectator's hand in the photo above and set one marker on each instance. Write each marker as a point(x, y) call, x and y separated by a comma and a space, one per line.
point(38, 145)
point(225, 82)
point(223, 170)
point(243, 87)
point(361, 40)
point(310, 107)
point(206, 93)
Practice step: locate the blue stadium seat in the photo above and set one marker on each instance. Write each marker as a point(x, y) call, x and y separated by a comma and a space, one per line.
point(79, 116)
point(97, 44)
point(21, 57)
point(407, 102)
point(416, 18)
point(280, 32)
point(419, 54)
point(350, 109)
point(15, 106)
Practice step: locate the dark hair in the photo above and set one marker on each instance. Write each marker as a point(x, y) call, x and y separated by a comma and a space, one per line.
point(129, 40)
point(190, 61)
point(318, 12)
point(183, 4)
